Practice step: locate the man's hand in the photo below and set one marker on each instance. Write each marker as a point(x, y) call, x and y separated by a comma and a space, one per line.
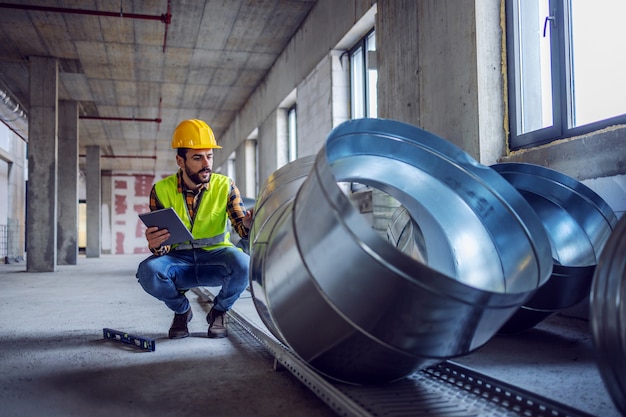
point(247, 220)
point(156, 237)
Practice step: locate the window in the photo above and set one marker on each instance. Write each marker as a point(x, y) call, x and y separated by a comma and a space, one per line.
point(363, 78)
point(565, 63)
point(292, 139)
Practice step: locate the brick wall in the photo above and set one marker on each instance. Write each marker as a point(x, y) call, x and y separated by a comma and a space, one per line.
point(131, 194)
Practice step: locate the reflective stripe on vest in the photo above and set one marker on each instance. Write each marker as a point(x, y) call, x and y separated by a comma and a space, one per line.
point(201, 243)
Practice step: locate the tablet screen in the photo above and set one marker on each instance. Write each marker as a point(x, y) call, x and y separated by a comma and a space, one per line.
point(167, 219)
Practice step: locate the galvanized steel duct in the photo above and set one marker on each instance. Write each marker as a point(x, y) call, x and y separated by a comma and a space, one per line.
point(578, 222)
point(273, 206)
point(359, 310)
point(607, 307)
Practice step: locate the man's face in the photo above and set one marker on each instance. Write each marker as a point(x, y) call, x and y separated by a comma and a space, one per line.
point(197, 166)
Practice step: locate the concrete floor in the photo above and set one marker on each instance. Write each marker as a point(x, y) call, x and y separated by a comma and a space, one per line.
point(55, 362)
point(555, 359)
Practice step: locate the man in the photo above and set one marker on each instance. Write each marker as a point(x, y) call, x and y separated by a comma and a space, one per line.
point(204, 201)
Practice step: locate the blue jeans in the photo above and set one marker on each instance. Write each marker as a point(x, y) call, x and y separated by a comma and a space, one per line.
point(166, 277)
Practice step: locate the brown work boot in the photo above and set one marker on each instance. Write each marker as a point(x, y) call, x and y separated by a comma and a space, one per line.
point(178, 330)
point(217, 324)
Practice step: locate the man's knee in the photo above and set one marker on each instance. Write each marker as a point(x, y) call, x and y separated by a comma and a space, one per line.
point(146, 275)
point(242, 263)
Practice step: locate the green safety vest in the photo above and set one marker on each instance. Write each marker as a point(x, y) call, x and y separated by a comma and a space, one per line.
point(210, 228)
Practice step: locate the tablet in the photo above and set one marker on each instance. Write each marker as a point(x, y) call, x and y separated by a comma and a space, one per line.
point(168, 219)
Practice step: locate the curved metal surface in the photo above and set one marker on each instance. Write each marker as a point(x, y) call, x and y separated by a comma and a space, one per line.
point(357, 309)
point(578, 222)
point(608, 314)
point(272, 206)
point(406, 235)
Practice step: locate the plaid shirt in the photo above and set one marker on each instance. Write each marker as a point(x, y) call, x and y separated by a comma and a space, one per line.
point(235, 208)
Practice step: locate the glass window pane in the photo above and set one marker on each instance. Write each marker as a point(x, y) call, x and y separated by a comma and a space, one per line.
point(357, 84)
point(372, 77)
point(292, 144)
point(598, 33)
point(372, 105)
point(533, 77)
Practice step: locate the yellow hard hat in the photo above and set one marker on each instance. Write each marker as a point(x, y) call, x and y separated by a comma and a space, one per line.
point(194, 134)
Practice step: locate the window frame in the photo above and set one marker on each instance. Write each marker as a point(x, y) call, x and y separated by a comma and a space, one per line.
point(362, 47)
point(292, 133)
point(559, 30)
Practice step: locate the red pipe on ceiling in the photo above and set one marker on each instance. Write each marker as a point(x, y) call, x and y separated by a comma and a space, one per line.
point(122, 156)
point(168, 14)
point(166, 18)
point(121, 119)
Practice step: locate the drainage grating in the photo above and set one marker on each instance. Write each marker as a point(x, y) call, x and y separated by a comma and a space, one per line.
point(443, 390)
point(499, 393)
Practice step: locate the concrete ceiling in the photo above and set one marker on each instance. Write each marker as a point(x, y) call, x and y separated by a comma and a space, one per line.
point(204, 63)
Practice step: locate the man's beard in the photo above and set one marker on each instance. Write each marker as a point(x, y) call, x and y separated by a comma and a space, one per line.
point(195, 177)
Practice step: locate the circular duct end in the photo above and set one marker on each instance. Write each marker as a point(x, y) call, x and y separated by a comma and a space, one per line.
point(578, 223)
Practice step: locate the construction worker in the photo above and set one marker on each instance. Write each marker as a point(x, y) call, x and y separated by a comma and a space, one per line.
point(205, 201)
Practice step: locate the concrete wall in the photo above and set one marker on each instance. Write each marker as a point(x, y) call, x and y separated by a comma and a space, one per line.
point(322, 104)
point(598, 160)
point(439, 69)
point(326, 25)
point(314, 111)
point(271, 154)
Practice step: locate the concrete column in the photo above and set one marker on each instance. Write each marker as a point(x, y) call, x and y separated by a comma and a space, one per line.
point(397, 47)
point(106, 241)
point(448, 78)
point(67, 227)
point(93, 202)
point(41, 215)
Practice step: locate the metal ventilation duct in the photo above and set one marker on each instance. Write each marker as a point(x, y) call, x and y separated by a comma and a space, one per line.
point(608, 315)
point(352, 305)
point(273, 206)
point(578, 222)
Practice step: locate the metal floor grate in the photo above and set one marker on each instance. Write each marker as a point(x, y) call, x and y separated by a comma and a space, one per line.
point(443, 390)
